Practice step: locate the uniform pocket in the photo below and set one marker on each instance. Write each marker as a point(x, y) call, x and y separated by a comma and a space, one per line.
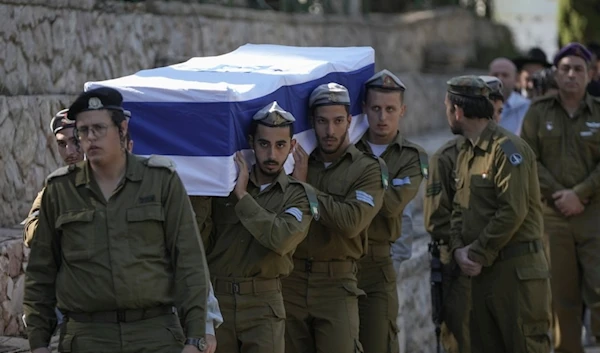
point(389, 273)
point(276, 309)
point(353, 290)
point(176, 333)
point(145, 226)
point(534, 299)
point(65, 344)
point(78, 234)
point(338, 190)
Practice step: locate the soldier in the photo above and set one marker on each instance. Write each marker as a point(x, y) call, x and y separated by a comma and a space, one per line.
point(69, 151)
point(563, 132)
point(255, 231)
point(437, 212)
point(116, 247)
point(321, 294)
point(407, 165)
point(496, 227)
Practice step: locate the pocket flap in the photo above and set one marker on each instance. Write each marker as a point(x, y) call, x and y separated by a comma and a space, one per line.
point(74, 216)
point(278, 309)
point(536, 328)
point(153, 212)
point(528, 273)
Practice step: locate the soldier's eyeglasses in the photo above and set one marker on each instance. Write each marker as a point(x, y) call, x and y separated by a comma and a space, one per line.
point(98, 130)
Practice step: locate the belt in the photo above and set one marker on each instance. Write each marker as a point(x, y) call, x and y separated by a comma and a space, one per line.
point(325, 266)
point(250, 286)
point(379, 250)
point(520, 249)
point(128, 315)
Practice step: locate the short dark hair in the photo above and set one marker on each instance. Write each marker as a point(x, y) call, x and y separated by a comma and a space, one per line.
point(384, 90)
point(494, 97)
point(473, 108)
point(255, 123)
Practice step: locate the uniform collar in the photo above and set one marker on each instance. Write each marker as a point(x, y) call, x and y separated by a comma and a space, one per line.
point(133, 170)
point(281, 179)
point(398, 140)
point(484, 141)
point(587, 102)
point(351, 151)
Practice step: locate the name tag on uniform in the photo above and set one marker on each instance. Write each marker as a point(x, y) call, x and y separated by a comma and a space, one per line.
point(586, 133)
point(365, 197)
point(401, 181)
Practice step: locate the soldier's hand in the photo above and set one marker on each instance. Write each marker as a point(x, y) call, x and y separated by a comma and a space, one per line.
point(445, 254)
point(242, 180)
point(211, 344)
point(300, 163)
point(568, 203)
point(468, 267)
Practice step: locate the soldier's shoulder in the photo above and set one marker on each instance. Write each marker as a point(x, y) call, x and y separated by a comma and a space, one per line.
point(309, 191)
point(451, 146)
point(516, 150)
point(413, 147)
point(155, 161)
point(542, 101)
point(595, 100)
point(60, 172)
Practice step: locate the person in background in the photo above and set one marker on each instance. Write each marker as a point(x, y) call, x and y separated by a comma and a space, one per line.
point(534, 61)
point(515, 105)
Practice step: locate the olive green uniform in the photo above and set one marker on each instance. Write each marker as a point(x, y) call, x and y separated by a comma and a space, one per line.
point(116, 268)
point(440, 191)
point(568, 155)
point(498, 213)
point(407, 164)
point(30, 223)
point(251, 249)
point(321, 293)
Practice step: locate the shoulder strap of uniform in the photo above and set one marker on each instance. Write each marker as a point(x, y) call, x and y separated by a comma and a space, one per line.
point(424, 162)
point(160, 162)
point(385, 174)
point(510, 150)
point(312, 198)
point(60, 172)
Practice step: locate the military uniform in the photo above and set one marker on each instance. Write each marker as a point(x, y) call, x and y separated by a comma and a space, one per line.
point(407, 164)
point(116, 268)
point(440, 191)
point(321, 293)
point(568, 154)
point(498, 214)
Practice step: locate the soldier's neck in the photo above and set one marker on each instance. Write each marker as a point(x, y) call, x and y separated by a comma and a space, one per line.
point(263, 179)
point(112, 171)
point(381, 140)
point(473, 130)
point(332, 157)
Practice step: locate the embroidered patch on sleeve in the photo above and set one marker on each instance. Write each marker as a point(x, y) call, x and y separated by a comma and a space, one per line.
point(294, 211)
point(365, 197)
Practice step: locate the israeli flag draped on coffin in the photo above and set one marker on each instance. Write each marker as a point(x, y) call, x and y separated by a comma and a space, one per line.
point(198, 112)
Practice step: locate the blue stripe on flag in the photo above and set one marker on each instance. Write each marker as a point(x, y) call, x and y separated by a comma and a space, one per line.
point(219, 129)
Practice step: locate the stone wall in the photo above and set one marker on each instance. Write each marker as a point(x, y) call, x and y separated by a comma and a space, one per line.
point(13, 261)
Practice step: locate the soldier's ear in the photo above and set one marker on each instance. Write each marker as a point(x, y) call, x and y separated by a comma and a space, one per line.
point(251, 140)
point(292, 145)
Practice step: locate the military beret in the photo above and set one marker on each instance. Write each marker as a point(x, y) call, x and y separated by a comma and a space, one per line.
point(468, 86)
point(573, 49)
point(329, 94)
point(60, 121)
point(96, 99)
point(494, 84)
point(385, 80)
point(273, 115)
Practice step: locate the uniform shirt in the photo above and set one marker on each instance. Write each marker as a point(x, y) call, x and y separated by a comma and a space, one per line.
point(497, 200)
point(350, 193)
point(406, 163)
point(140, 249)
point(30, 223)
point(567, 149)
point(256, 236)
point(440, 190)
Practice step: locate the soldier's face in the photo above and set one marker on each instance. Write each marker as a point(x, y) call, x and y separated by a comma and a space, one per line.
point(451, 114)
point(331, 124)
point(498, 107)
point(69, 150)
point(272, 146)
point(99, 136)
point(572, 75)
point(384, 111)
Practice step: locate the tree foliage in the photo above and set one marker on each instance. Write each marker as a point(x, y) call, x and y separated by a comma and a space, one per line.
point(579, 21)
